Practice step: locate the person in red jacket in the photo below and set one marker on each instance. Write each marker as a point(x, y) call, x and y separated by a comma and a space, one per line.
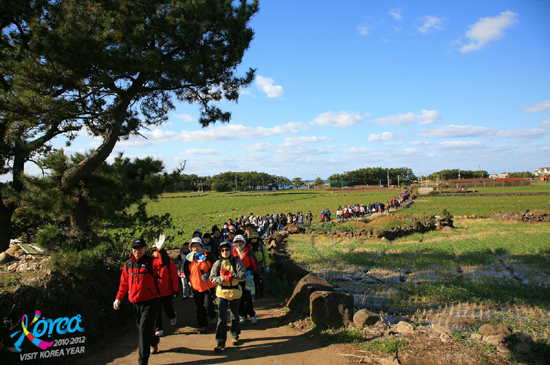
point(169, 287)
point(138, 279)
point(245, 254)
point(197, 266)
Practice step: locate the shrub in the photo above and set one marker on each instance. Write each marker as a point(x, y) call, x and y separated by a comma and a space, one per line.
point(49, 236)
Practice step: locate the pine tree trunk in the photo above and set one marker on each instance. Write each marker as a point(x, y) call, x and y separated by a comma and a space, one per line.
point(6, 212)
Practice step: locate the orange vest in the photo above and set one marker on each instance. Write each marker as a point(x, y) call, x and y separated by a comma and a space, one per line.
point(195, 279)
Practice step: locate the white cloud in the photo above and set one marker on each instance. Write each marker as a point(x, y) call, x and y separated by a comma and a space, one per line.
point(185, 118)
point(487, 30)
point(426, 117)
point(265, 84)
point(225, 133)
point(521, 133)
point(301, 140)
point(386, 136)
point(457, 131)
point(396, 13)
point(538, 107)
point(201, 151)
point(419, 144)
point(458, 145)
point(545, 124)
point(429, 22)
point(364, 29)
point(338, 120)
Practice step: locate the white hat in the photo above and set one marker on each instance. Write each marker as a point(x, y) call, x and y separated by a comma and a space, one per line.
point(195, 240)
point(239, 238)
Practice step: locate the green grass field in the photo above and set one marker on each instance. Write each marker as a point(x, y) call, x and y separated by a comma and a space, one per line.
point(192, 211)
point(483, 271)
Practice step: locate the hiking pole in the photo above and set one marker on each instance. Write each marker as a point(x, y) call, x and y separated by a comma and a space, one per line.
point(207, 287)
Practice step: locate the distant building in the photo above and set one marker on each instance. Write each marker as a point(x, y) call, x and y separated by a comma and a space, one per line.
point(542, 171)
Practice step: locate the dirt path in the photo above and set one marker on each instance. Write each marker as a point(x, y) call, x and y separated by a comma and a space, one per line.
point(270, 341)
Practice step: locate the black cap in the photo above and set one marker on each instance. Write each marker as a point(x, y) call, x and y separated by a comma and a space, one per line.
point(139, 243)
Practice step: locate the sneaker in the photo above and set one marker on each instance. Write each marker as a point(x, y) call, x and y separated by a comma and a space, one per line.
point(254, 319)
point(159, 333)
point(235, 342)
point(155, 348)
point(219, 348)
point(174, 320)
point(214, 322)
point(242, 320)
point(202, 330)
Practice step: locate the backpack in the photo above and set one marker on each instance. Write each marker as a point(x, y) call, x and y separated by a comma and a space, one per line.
point(149, 267)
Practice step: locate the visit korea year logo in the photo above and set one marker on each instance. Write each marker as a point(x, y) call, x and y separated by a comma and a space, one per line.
point(40, 331)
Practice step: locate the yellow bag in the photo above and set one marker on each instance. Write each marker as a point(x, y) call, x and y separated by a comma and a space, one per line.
point(229, 293)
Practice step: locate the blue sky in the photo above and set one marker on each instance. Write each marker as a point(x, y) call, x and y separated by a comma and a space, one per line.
point(343, 85)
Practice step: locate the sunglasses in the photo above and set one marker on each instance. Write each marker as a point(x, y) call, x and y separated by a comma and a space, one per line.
point(225, 249)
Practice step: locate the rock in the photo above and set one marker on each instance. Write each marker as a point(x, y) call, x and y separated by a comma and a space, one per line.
point(447, 229)
point(12, 267)
point(293, 272)
point(445, 337)
point(494, 329)
point(273, 246)
point(12, 250)
point(5, 258)
point(503, 349)
point(300, 299)
point(294, 229)
point(20, 252)
point(404, 328)
point(441, 329)
point(23, 266)
point(364, 318)
point(331, 309)
point(522, 347)
point(494, 339)
point(476, 337)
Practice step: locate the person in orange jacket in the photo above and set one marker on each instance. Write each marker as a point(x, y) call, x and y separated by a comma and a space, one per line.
point(138, 279)
point(244, 253)
point(197, 266)
point(169, 287)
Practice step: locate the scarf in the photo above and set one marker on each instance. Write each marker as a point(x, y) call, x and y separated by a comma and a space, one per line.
point(200, 256)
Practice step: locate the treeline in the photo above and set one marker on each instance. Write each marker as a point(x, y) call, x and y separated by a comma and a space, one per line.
point(376, 176)
point(457, 174)
point(223, 182)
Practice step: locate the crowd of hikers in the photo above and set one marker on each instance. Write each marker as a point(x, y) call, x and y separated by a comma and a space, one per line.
point(223, 268)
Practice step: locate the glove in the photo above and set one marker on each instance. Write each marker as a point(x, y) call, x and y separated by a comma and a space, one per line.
point(176, 293)
point(205, 277)
point(116, 304)
point(159, 244)
point(228, 277)
point(224, 272)
point(267, 269)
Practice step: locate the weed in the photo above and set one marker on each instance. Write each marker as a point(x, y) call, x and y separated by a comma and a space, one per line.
point(385, 345)
point(279, 285)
